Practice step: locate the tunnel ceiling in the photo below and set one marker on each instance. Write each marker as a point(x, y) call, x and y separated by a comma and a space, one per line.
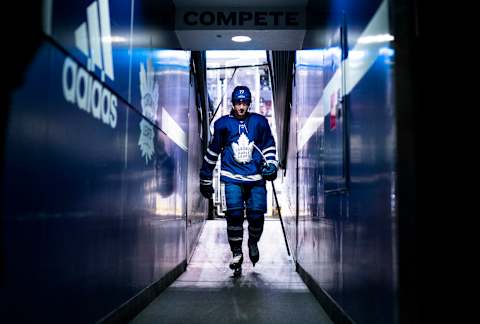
point(210, 24)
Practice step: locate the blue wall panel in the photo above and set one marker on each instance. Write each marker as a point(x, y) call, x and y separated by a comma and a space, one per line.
point(89, 221)
point(371, 196)
point(63, 187)
point(346, 230)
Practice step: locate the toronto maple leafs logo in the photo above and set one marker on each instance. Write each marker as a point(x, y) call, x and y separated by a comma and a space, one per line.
point(149, 92)
point(242, 150)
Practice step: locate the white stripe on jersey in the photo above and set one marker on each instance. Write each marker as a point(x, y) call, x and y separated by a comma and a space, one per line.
point(254, 177)
point(271, 148)
point(211, 152)
point(209, 161)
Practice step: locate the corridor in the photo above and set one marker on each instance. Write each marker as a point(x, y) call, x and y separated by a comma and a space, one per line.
point(270, 292)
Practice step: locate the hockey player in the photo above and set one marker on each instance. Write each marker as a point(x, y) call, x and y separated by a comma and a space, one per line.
point(248, 158)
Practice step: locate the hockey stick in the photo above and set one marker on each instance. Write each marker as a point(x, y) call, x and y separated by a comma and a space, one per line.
point(276, 200)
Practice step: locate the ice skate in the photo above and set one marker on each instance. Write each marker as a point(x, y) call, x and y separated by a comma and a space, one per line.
point(236, 264)
point(253, 252)
point(236, 261)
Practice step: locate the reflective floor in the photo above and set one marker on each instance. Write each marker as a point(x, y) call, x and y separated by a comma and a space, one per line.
point(270, 292)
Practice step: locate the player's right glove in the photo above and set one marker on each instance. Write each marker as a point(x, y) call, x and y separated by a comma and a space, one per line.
point(206, 190)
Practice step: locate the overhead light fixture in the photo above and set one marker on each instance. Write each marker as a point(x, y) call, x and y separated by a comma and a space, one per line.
point(241, 39)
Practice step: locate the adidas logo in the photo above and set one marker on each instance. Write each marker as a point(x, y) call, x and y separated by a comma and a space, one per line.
point(92, 38)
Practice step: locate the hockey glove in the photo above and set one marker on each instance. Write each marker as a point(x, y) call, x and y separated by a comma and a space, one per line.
point(206, 190)
point(269, 171)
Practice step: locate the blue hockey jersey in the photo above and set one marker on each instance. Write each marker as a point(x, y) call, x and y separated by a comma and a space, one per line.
point(239, 143)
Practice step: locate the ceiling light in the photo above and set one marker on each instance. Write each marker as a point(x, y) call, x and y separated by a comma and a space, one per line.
point(241, 39)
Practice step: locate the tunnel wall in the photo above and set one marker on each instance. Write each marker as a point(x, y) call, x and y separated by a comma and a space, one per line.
point(341, 172)
point(97, 156)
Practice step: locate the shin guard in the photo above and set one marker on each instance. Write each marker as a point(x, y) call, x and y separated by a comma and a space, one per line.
point(255, 225)
point(235, 230)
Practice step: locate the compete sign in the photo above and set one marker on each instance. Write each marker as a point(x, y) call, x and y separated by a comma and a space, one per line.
point(239, 19)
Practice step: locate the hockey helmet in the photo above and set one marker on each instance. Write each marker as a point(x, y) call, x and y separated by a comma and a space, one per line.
point(241, 94)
